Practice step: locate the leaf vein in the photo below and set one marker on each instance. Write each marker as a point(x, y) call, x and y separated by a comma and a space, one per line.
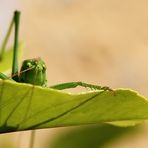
point(64, 113)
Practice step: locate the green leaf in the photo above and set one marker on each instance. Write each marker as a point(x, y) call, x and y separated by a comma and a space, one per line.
point(6, 63)
point(125, 123)
point(25, 107)
point(96, 136)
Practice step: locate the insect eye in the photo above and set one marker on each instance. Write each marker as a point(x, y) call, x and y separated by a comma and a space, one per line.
point(29, 64)
point(44, 66)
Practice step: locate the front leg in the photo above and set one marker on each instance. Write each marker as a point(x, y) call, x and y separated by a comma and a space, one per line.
point(75, 84)
point(4, 77)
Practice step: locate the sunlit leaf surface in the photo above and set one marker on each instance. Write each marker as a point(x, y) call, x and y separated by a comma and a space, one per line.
point(25, 107)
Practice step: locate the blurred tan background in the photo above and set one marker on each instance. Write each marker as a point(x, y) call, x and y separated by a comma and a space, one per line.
point(95, 41)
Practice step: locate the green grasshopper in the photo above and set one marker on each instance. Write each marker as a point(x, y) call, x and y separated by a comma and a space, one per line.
point(33, 71)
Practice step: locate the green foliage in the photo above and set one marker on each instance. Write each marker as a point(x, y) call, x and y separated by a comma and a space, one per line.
point(25, 107)
point(6, 63)
point(96, 136)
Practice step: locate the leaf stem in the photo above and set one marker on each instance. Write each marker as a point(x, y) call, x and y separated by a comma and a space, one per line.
point(32, 139)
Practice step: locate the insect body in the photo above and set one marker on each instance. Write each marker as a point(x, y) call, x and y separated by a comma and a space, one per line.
point(33, 71)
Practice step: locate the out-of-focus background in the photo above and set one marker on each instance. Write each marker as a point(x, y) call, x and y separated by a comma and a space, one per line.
point(99, 41)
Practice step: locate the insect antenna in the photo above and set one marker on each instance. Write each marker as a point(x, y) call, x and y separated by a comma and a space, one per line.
point(22, 72)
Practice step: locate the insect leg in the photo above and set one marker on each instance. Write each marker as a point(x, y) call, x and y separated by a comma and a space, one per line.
point(75, 84)
point(4, 77)
point(15, 53)
point(3, 47)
